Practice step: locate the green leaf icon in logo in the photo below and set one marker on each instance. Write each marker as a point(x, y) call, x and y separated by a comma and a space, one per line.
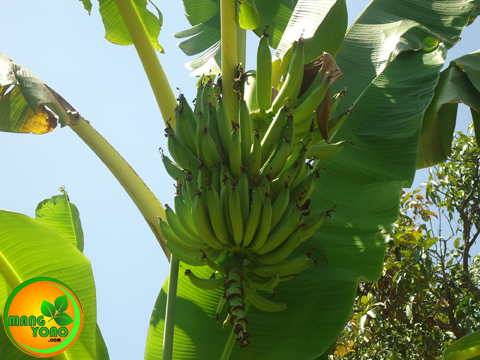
point(61, 303)
point(47, 309)
point(63, 319)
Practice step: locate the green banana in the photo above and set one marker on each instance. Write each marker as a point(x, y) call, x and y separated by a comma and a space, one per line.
point(189, 238)
point(245, 131)
point(306, 139)
point(273, 133)
point(264, 73)
point(198, 100)
point(301, 172)
point(216, 216)
point(236, 217)
point(244, 194)
point(293, 81)
point(204, 284)
point(260, 302)
point(279, 206)
point(201, 121)
point(305, 188)
point(264, 226)
point(284, 249)
point(216, 177)
point(203, 179)
point(207, 95)
point(225, 173)
point(335, 100)
point(335, 123)
point(250, 90)
point(289, 129)
point(185, 123)
point(182, 247)
point(281, 232)
point(185, 194)
point(253, 220)
point(212, 125)
point(280, 182)
point(175, 171)
point(255, 161)
point(191, 186)
point(202, 222)
point(184, 215)
point(266, 285)
point(305, 125)
point(235, 155)
point(311, 103)
point(224, 125)
point(277, 160)
point(314, 223)
point(187, 112)
point(193, 260)
point(184, 157)
point(325, 150)
point(209, 149)
point(285, 268)
point(225, 199)
point(279, 66)
point(169, 134)
point(212, 265)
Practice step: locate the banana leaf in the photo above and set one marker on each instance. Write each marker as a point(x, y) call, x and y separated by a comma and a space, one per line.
point(286, 21)
point(468, 347)
point(33, 247)
point(116, 30)
point(460, 82)
point(391, 58)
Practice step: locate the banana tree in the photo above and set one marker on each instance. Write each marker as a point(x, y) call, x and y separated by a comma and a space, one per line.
point(391, 58)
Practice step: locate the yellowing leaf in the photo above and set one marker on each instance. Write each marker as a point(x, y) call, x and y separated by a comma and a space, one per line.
point(16, 116)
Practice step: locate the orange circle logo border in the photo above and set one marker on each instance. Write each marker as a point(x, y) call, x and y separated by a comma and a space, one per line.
point(29, 311)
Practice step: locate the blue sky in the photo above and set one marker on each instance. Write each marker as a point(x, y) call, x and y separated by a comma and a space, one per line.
point(59, 42)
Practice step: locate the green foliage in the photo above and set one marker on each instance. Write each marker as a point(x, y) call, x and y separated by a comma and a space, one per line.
point(428, 295)
point(33, 247)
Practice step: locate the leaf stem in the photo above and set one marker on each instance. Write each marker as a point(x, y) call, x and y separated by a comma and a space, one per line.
point(141, 195)
point(229, 346)
point(229, 56)
point(156, 76)
point(168, 333)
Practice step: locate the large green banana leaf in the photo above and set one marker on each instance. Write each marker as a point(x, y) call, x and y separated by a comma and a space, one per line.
point(460, 82)
point(468, 347)
point(115, 28)
point(287, 20)
point(391, 59)
point(43, 247)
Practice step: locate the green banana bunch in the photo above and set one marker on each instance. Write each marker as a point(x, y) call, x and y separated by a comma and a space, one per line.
point(242, 205)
